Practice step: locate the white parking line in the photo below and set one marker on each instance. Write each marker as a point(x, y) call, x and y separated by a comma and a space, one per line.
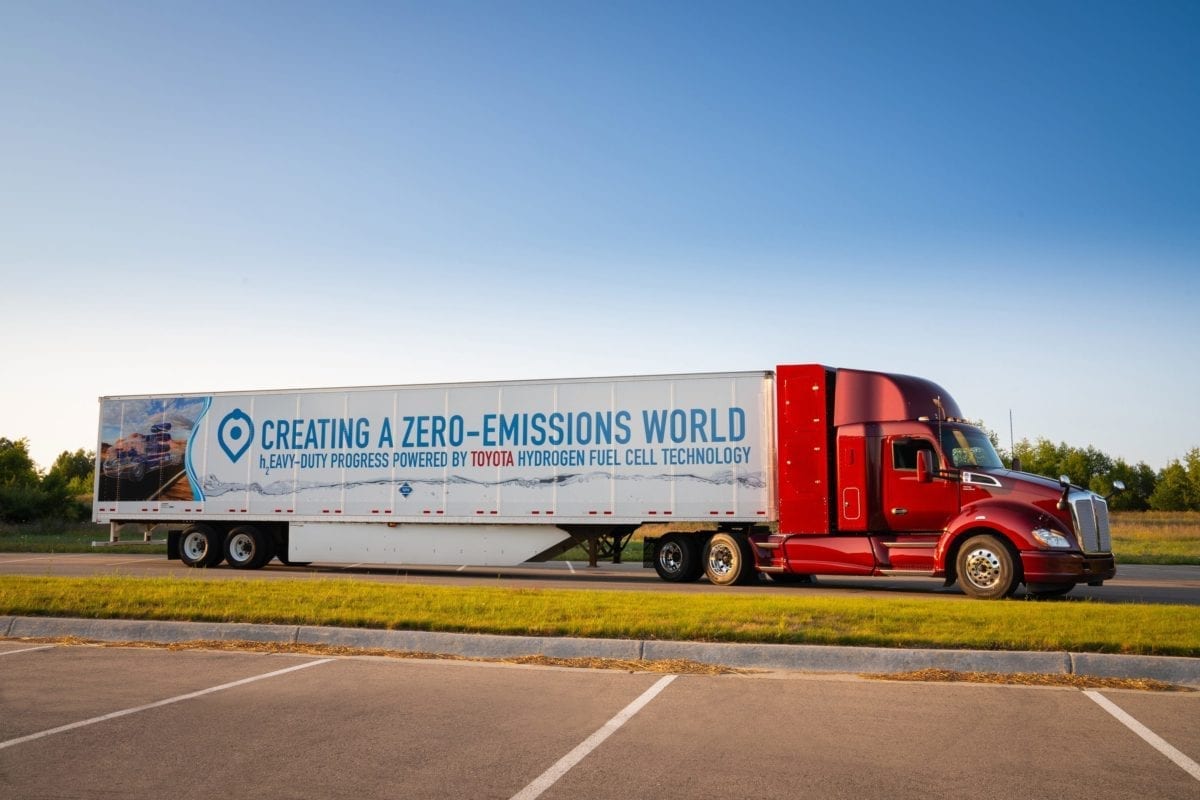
point(27, 650)
point(179, 698)
point(548, 778)
point(1151, 738)
point(35, 558)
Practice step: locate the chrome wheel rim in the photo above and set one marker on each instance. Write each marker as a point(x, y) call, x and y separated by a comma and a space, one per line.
point(983, 568)
point(720, 559)
point(670, 556)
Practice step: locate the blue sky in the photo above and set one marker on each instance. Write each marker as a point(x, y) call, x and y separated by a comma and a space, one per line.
point(1002, 197)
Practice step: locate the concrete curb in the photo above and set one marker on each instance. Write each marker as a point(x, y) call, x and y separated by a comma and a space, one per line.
point(802, 658)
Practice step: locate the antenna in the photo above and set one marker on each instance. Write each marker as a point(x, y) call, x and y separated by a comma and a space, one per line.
point(937, 402)
point(1012, 442)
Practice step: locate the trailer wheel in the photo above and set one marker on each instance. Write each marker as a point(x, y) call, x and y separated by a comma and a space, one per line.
point(247, 547)
point(677, 559)
point(729, 560)
point(201, 546)
point(986, 569)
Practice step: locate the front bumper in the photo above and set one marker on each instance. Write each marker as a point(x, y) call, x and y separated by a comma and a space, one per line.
point(1049, 567)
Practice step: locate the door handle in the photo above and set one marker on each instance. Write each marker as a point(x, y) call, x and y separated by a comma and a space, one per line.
point(899, 512)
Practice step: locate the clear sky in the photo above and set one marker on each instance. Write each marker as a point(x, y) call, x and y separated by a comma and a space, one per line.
point(1003, 197)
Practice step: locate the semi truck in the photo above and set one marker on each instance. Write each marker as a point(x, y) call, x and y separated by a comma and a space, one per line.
point(791, 473)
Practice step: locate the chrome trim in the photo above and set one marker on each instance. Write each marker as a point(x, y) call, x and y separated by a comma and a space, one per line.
point(1089, 512)
point(980, 480)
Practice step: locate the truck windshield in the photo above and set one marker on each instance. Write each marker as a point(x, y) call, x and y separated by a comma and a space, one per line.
point(969, 447)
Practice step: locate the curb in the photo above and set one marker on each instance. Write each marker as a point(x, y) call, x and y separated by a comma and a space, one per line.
point(802, 658)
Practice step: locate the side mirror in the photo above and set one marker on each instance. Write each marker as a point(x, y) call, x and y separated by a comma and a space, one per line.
point(1065, 482)
point(924, 466)
point(1117, 488)
point(1016, 465)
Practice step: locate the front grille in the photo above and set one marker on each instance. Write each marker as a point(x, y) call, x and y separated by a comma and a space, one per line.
point(1090, 513)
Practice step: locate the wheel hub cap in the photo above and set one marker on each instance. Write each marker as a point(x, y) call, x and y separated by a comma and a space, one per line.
point(983, 568)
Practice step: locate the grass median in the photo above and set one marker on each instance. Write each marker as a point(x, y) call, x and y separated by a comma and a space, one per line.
point(1148, 537)
point(789, 618)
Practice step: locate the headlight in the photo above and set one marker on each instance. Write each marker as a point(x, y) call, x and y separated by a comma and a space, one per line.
point(1049, 538)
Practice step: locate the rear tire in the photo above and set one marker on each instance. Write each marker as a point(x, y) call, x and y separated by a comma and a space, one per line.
point(247, 547)
point(986, 569)
point(201, 546)
point(728, 560)
point(677, 559)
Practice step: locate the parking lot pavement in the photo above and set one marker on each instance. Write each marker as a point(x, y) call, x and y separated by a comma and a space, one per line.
point(82, 721)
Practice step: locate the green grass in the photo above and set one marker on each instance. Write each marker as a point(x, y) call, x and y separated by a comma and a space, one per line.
point(1157, 537)
point(1138, 538)
point(58, 537)
point(786, 618)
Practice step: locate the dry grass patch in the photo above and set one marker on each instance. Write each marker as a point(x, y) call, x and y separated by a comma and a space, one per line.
point(1028, 679)
point(668, 666)
point(1156, 537)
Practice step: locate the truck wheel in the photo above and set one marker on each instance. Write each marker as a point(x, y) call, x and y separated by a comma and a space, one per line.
point(986, 569)
point(247, 547)
point(200, 546)
point(677, 559)
point(729, 560)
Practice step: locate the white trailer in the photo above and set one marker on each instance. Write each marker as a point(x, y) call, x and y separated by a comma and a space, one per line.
point(478, 473)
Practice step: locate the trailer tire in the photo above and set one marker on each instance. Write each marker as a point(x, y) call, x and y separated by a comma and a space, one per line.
point(677, 558)
point(247, 547)
point(986, 568)
point(728, 560)
point(201, 546)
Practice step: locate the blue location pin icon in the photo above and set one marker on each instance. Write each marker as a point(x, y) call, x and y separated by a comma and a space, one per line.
point(235, 433)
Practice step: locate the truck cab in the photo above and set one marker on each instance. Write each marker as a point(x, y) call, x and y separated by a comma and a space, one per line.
point(916, 489)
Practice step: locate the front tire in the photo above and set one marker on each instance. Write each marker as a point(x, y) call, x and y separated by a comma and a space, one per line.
point(201, 546)
point(729, 560)
point(247, 547)
point(986, 569)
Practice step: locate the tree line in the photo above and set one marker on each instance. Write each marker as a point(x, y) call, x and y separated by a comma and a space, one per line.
point(63, 492)
point(1175, 487)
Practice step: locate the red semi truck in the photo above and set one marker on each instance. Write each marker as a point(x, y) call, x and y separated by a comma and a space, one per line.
point(880, 474)
point(805, 470)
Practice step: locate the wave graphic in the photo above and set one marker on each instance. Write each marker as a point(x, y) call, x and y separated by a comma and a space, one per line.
point(213, 487)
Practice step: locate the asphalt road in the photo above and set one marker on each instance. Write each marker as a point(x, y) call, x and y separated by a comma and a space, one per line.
point(79, 721)
point(1133, 584)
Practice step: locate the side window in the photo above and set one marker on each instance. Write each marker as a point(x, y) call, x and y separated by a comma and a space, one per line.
point(904, 453)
